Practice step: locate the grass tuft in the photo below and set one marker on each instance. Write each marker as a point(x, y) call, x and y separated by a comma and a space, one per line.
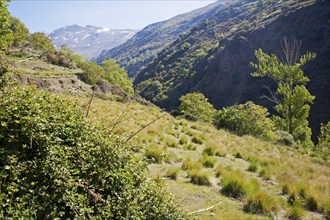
point(172, 172)
point(197, 140)
point(235, 185)
point(295, 213)
point(253, 167)
point(200, 177)
point(208, 162)
point(209, 151)
point(154, 154)
point(260, 203)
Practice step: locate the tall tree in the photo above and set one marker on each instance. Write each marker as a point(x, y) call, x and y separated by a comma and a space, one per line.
point(5, 33)
point(292, 99)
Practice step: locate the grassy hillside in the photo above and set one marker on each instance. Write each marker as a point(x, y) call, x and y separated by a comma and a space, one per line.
point(288, 180)
point(231, 177)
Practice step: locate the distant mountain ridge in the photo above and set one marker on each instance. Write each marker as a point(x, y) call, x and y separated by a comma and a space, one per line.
point(137, 52)
point(90, 40)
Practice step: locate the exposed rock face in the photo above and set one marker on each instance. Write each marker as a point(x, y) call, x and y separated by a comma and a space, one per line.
point(214, 57)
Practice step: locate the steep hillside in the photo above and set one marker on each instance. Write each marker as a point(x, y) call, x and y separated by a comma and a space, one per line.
point(137, 52)
point(90, 40)
point(214, 57)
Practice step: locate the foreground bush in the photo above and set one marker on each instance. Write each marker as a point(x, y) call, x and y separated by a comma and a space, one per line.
point(55, 165)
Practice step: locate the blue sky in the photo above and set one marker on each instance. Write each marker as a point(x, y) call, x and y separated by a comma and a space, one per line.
point(44, 15)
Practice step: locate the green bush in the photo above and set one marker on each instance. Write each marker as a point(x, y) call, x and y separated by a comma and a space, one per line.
point(194, 106)
point(283, 137)
point(323, 145)
point(20, 32)
point(247, 118)
point(41, 42)
point(56, 165)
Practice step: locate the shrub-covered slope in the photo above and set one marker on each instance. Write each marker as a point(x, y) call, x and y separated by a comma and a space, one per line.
point(214, 57)
point(137, 52)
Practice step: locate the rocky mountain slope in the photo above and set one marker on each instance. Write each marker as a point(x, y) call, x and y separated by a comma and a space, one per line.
point(214, 57)
point(137, 52)
point(90, 40)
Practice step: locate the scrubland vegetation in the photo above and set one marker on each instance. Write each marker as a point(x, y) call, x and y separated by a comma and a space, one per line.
point(90, 156)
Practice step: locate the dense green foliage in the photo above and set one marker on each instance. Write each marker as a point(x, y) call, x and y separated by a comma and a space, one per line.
point(324, 139)
point(195, 106)
point(20, 32)
point(292, 98)
point(117, 76)
point(5, 34)
point(247, 118)
point(55, 165)
point(40, 41)
point(110, 71)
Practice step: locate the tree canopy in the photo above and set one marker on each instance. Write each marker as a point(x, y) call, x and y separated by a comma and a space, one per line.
point(292, 98)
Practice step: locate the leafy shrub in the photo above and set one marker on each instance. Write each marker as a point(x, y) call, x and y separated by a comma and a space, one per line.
point(283, 137)
point(195, 106)
point(20, 32)
point(199, 177)
point(324, 139)
point(260, 203)
point(41, 42)
point(117, 76)
point(247, 118)
point(56, 165)
point(208, 161)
